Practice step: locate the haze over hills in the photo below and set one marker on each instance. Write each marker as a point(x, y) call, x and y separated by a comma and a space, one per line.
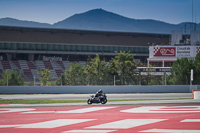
point(23, 23)
point(101, 20)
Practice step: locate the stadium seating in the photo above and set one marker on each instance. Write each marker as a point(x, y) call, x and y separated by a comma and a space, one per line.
point(60, 63)
point(47, 65)
point(31, 65)
point(29, 69)
point(16, 64)
point(40, 65)
point(58, 72)
point(23, 64)
point(28, 74)
point(5, 64)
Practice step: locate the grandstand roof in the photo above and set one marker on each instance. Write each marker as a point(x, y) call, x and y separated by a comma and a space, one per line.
point(70, 36)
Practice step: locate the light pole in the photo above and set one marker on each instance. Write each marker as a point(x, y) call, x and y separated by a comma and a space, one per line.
point(34, 80)
point(7, 79)
point(114, 80)
point(191, 77)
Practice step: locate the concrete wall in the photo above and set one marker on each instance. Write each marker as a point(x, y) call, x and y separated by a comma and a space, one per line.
point(93, 89)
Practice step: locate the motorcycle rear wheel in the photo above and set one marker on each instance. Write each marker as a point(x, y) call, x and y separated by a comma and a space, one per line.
point(104, 101)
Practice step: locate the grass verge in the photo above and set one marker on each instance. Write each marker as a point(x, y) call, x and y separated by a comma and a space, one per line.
point(50, 101)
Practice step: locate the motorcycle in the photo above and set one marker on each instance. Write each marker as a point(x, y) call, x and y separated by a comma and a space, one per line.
point(100, 99)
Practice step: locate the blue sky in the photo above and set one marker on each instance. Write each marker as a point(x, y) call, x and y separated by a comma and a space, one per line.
point(52, 11)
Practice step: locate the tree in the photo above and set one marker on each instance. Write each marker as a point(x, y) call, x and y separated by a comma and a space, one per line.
point(11, 77)
point(123, 65)
point(75, 75)
point(180, 71)
point(197, 69)
point(151, 78)
point(96, 70)
point(61, 80)
point(45, 77)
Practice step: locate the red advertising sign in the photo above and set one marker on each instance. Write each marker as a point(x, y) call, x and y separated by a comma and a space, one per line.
point(164, 51)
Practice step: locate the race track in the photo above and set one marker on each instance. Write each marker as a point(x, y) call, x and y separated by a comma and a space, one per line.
point(166, 118)
point(110, 96)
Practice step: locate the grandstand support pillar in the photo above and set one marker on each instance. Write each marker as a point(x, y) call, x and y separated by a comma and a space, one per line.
point(9, 56)
point(31, 57)
point(163, 63)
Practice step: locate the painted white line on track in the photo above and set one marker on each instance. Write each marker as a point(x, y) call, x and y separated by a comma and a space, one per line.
point(127, 123)
point(163, 109)
point(85, 110)
point(89, 131)
point(49, 124)
point(191, 120)
point(36, 112)
point(170, 131)
point(10, 110)
point(6, 126)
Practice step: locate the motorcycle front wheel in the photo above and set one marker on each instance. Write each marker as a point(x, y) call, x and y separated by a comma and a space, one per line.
point(89, 101)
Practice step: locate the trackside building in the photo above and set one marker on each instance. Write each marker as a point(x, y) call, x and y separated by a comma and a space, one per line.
point(31, 49)
point(182, 46)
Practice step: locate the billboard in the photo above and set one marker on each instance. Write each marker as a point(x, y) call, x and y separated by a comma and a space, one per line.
point(165, 51)
point(173, 51)
point(185, 51)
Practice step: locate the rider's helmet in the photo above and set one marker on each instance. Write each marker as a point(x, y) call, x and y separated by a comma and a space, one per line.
point(100, 91)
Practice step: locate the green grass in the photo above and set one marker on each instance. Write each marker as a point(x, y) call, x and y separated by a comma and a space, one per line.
point(49, 101)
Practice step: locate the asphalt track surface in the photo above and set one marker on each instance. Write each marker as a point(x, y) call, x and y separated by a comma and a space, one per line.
point(159, 118)
point(85, 96)
point(162, 98)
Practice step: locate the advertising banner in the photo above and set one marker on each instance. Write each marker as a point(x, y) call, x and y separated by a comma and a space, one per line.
point(184, 51)
point(174, 51)
point(165, 51)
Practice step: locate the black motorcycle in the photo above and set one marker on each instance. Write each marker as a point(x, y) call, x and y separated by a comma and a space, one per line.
point(100, 99)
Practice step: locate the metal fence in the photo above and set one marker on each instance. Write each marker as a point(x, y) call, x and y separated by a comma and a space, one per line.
point(81, 80)
point(96, 80)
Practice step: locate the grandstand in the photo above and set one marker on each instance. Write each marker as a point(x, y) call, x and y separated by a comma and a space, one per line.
point(31, 49)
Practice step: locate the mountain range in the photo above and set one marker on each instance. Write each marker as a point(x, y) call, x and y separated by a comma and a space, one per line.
point(101, 20)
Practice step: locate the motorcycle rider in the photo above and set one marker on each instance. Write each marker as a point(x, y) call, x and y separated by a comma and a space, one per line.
point(99, 93)
point(99, 97)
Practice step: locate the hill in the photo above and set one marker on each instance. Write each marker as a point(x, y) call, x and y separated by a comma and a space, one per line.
point(16, 22)
point(101, 20)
